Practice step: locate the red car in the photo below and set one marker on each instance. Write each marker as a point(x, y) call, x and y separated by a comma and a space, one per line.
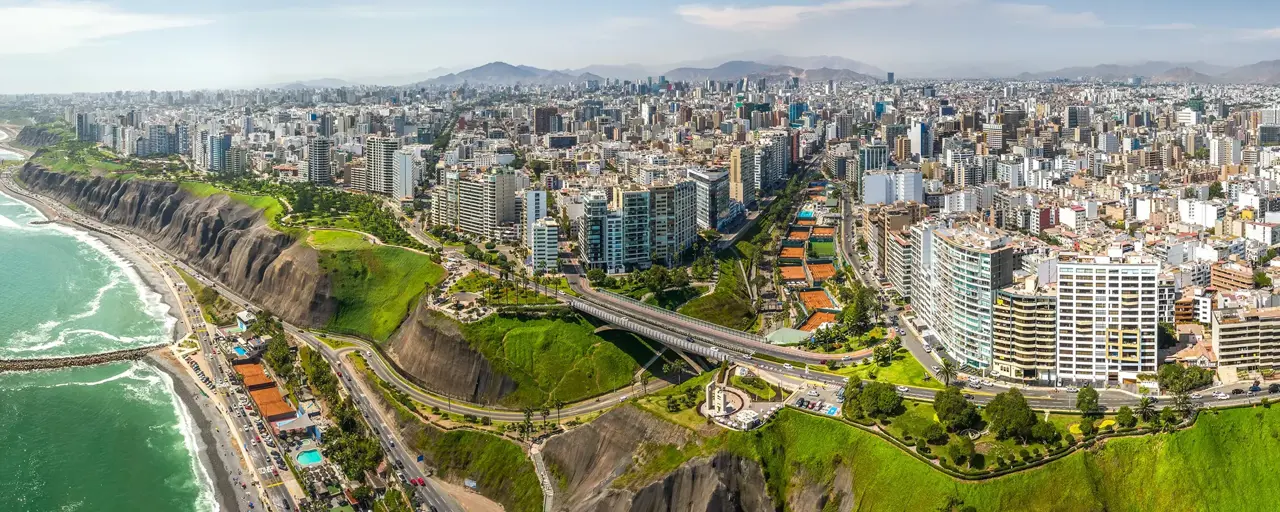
point(420, 481)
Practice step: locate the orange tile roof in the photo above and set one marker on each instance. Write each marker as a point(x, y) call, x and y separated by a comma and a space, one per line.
point(806, 222)
point(792, 252)
point(822, 271)
point(814, 299)
point(824, 231)
point(816, 320)
point(792, 272)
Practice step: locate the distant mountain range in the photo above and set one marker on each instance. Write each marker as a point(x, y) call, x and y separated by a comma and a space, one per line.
point(1265, 72)
point(759, 64)
point(502, 73)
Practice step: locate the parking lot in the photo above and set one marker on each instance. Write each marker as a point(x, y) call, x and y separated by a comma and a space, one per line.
point(823, 399)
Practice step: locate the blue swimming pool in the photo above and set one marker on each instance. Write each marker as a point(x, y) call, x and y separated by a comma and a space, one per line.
point(240, 351)
point(309, 457)
point(805, 214)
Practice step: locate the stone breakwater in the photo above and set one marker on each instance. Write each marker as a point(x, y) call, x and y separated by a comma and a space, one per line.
point(49, 363)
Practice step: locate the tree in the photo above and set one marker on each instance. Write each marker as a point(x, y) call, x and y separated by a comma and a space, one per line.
point(961, 451)
point(954, 410)
point(1125, 418)
point(1011, 416)
point(1045, 432)
point(675, 367)
point(596, 276)
point(1087, 401)
point(1146, 409)
point(948, 371)
point(879, 399)
point(1168, 419)
point(934, 434)
point(1261, 279)
point(1215, 190)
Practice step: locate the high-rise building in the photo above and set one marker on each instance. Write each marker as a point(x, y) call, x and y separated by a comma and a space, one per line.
point(1108, 317)
point(533, 207)
point(237, 160)
point(218, 146)
point(158, 140)
point(958, 269)
point(632, 205)
point(742, 186)
point(674, 228)
point(319, 160)
point(542, 119)
point(1024, 334)
point(380, 164)
point(712, 197)
point(1077, 116)
point(592, 230)
point(921, 136)
point(544, 246)
point(405, 173)
point(1247, 339)
point(888, 79)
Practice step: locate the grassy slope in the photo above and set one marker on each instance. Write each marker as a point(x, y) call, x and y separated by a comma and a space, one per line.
point(1224, 463)
point(499, 467)
point(375, 285)
point(904, 370)
point(729, 305)
point(557, 359)
point(673, 299)
point(219, 311)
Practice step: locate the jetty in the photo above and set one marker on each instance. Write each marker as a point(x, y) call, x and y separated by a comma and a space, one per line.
point(49, 363)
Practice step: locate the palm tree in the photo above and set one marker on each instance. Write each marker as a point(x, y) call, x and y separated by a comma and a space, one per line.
point(558, 404)
point(676, 367)
point(644, 381)
point(1146, 409)
point(948, 371)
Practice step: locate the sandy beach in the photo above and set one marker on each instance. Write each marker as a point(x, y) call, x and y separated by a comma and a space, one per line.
point(216, 453)
point(11, 134)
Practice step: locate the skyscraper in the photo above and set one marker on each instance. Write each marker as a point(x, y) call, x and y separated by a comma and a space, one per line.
point(889, 78)
point(742, 186)
point(712, 196)
point(405, 174)
point(1107, 319)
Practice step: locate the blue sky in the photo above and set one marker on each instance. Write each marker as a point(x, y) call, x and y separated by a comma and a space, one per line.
point(150, 44)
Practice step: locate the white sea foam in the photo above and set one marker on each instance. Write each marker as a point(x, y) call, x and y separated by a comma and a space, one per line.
point(7, 223)
point(187, 426)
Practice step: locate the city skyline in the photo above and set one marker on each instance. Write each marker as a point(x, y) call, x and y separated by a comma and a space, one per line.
point(145, 44)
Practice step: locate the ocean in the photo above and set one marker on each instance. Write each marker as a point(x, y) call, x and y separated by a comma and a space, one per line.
point(105, 438)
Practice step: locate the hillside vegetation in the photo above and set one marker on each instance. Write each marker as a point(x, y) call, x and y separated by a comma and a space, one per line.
point(375, 286)
point(1225, 462)
point(729, 305)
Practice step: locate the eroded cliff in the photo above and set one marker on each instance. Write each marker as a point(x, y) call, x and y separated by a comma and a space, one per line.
point(589, 460)
point(431, 348)
point(226, 239)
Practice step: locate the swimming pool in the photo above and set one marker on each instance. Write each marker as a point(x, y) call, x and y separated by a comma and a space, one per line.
point(309, 457)
point(240, 351)
point(805, 214)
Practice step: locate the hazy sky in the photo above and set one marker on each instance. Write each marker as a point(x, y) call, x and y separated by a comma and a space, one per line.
point(57, 46)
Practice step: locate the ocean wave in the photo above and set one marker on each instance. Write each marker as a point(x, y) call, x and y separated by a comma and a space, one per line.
point(187, 426)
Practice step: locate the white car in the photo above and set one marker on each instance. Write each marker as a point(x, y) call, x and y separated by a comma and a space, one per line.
point(1073, 389)
point(1221, 396)
point(935, 368)
point(1195, 396)
point(903, 389)
point(787, 366)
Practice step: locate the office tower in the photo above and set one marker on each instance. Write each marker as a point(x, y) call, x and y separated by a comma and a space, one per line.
point(542, 119)
point(742, 186)
point(533, 207)
point(84, 127)
point(380, 162)
point(237, 160)
point(544, 246)
point(319, 161)
point(994, 134)
point(405, 174)
point(1024, 334)
point(844, 126)
point(921, 136)
point(889, 78)
point(958, 270)
point(592, 229)
point(712, 194)
point(325, 128)
point(1077, 117)
point(892, 131)
point(1107, 319)
point(672, 207)
point(873, 156)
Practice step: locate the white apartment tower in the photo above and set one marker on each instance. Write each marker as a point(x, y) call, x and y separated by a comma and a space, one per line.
point(380, 163)
point(1108, 315)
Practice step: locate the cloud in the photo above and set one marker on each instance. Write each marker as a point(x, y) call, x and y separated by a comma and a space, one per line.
point(1046, 16)
point(774, 17)
point(48, 27)
point(1258, 34)
point(1169, 26)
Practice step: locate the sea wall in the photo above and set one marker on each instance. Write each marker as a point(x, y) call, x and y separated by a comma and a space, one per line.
point(223, 238)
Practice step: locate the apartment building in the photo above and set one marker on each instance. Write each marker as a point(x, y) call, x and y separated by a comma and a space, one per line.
point(544, 246)
point(672, 208)
point(481, 204)
point(1024, 333)
point(1247, 338)
point(1108, 316)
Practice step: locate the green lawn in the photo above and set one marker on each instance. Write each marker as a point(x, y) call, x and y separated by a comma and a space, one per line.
point(499, 292)
point(673, 299)
point(333, 240)
point(554, 359)
point(730, 305)
point(758, 388)
point(375, 286)
point(823, 249)
point(656, 402)
point(904, 370)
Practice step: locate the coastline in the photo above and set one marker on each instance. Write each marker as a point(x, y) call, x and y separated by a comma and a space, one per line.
point(215, 450)
point(12, 134)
